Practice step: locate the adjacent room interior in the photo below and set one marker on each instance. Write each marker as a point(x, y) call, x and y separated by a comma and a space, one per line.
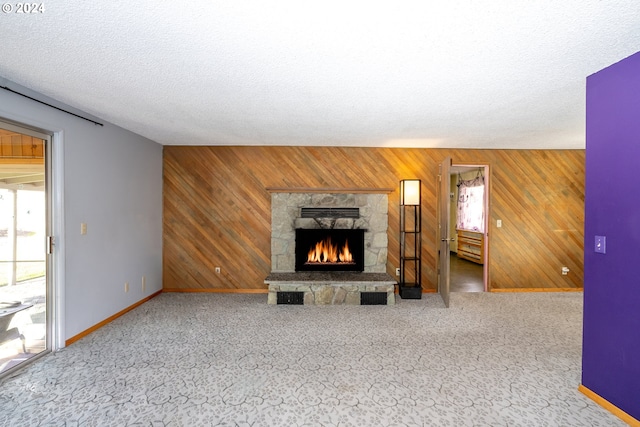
point(469, 204)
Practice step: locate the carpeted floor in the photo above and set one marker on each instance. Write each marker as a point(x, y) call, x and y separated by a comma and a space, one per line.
point(232, 360)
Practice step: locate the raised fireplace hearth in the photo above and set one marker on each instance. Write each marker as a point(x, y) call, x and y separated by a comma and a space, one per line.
point(332, 288)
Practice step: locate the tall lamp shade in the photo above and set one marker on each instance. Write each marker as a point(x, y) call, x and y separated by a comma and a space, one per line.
point(410, 192)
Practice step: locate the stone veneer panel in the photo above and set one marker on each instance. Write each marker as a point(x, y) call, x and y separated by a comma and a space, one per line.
point(285, 218)
point(331, 293)
point(334, 288)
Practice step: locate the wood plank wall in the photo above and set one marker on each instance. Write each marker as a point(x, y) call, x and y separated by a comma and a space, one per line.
point(217, 209)
point(18, 146)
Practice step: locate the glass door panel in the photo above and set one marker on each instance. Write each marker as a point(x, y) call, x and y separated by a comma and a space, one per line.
point(23, 233)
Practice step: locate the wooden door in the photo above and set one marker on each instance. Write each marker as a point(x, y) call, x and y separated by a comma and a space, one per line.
point(444, 189)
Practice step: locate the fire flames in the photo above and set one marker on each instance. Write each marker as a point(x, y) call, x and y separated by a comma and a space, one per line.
point(326, 252)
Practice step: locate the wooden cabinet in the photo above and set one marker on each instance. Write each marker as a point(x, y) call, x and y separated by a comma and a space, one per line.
point(471, 246)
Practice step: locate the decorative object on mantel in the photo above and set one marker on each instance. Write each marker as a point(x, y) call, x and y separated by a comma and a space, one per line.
point(410, 283)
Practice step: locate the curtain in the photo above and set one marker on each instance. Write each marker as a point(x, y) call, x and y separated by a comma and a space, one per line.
point(470, 215)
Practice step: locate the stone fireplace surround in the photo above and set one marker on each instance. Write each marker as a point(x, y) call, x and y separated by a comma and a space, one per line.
point(328, 288)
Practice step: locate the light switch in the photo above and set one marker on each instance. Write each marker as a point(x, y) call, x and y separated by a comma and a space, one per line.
point(83, 228)
point(499, 223)
point(601, 244)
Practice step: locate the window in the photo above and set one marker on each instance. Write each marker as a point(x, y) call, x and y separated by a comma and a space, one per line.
point(470, 206)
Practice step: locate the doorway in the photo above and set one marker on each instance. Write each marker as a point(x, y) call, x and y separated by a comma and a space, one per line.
point(25, 289)
point(468, 224)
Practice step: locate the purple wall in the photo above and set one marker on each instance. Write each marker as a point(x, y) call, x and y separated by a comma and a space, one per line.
point(611, 342)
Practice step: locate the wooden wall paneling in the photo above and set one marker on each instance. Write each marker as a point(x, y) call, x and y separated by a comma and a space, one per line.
point(16, 146)
point(6, 150)
point(217, 209)
point(20, 146)
point(26, 146)
point(39, 150)
point(32, 147)
point(530, 195)
point(203, 228)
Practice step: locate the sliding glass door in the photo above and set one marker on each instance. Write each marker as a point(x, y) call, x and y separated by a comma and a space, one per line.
point(24, 289)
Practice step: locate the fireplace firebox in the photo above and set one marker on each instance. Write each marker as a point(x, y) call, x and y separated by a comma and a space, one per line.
point(329, 249)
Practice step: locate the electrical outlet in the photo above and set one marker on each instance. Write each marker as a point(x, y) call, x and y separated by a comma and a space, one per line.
point(218, 270)
point(83, 228)
point(144, 283)
point(397, 271)
point(126, 286)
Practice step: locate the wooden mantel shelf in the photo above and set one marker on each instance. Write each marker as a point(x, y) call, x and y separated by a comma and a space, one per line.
point(328, 190)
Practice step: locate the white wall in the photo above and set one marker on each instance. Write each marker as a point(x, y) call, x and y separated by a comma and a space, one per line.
point(113, 183)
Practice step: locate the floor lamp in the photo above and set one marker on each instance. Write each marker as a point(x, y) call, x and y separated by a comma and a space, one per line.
point(410, 242)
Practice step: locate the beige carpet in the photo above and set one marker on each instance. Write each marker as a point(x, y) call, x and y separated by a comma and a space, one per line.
point(232, 360)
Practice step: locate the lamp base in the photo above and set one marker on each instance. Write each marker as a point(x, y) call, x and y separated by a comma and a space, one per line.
point(410, 292)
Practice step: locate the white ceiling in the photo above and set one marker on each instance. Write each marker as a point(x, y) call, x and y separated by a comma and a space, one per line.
point(455, 73)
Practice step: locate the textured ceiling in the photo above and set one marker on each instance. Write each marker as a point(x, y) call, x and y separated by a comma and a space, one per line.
point(456, 73)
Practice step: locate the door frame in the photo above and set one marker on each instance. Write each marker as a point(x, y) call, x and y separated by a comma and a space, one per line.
point(487, 211)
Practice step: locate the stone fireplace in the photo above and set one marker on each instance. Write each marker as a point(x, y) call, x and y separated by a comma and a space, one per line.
point(355, 225)
point(286, 217)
